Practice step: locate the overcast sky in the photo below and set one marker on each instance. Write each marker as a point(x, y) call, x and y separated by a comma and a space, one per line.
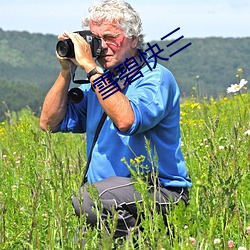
point(196, 18)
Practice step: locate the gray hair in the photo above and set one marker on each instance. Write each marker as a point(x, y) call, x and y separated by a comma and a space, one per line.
point(120, 13)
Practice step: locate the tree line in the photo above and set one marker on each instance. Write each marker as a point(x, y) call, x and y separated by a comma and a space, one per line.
point(28, 66)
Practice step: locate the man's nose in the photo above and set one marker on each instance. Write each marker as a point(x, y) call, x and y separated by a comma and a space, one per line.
point(104, 44)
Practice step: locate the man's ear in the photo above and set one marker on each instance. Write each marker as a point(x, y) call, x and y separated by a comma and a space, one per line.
point(134, 42)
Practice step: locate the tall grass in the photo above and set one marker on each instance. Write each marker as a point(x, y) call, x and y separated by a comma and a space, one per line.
point(40, 172)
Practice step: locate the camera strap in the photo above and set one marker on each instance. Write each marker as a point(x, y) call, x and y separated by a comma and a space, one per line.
point(97, 132)
point(73, 69)
point(99, 126)
point(79, 81)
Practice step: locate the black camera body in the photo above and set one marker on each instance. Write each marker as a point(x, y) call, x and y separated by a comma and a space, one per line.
point(65, 48)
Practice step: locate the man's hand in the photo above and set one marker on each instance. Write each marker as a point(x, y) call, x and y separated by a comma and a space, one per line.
point(66, 63)
point(83, 54)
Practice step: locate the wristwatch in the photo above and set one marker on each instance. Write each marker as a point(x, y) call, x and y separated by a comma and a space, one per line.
point(96, 70)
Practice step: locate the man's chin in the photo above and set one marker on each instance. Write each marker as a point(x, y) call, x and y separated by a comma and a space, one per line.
point(106, 64)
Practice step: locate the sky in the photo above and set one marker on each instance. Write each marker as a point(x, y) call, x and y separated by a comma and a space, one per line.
point(196, 18)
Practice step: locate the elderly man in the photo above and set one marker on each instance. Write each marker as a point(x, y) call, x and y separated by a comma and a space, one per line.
point(145, 107)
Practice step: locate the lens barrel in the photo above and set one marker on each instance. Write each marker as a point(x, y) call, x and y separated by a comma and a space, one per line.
point(75, 95)
point(65, 48)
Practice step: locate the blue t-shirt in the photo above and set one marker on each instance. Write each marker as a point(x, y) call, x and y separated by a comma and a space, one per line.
point(154, 99)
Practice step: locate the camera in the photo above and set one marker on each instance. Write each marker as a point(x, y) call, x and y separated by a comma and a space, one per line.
point(65, 48)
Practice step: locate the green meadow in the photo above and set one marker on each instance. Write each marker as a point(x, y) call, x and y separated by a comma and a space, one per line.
point(40, 172)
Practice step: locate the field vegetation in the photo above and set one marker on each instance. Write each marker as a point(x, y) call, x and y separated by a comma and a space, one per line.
point(40, 172)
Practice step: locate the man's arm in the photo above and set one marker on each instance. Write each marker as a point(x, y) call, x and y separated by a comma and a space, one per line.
point(116, 106)
point(55, 103)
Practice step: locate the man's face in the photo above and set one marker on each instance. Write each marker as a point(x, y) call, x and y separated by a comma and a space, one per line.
point(116, 47)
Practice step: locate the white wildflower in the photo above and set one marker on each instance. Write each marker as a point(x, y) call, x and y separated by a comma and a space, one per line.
point(242, 248)
point(236, 87)
point(217, 241)
point(247, 133)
